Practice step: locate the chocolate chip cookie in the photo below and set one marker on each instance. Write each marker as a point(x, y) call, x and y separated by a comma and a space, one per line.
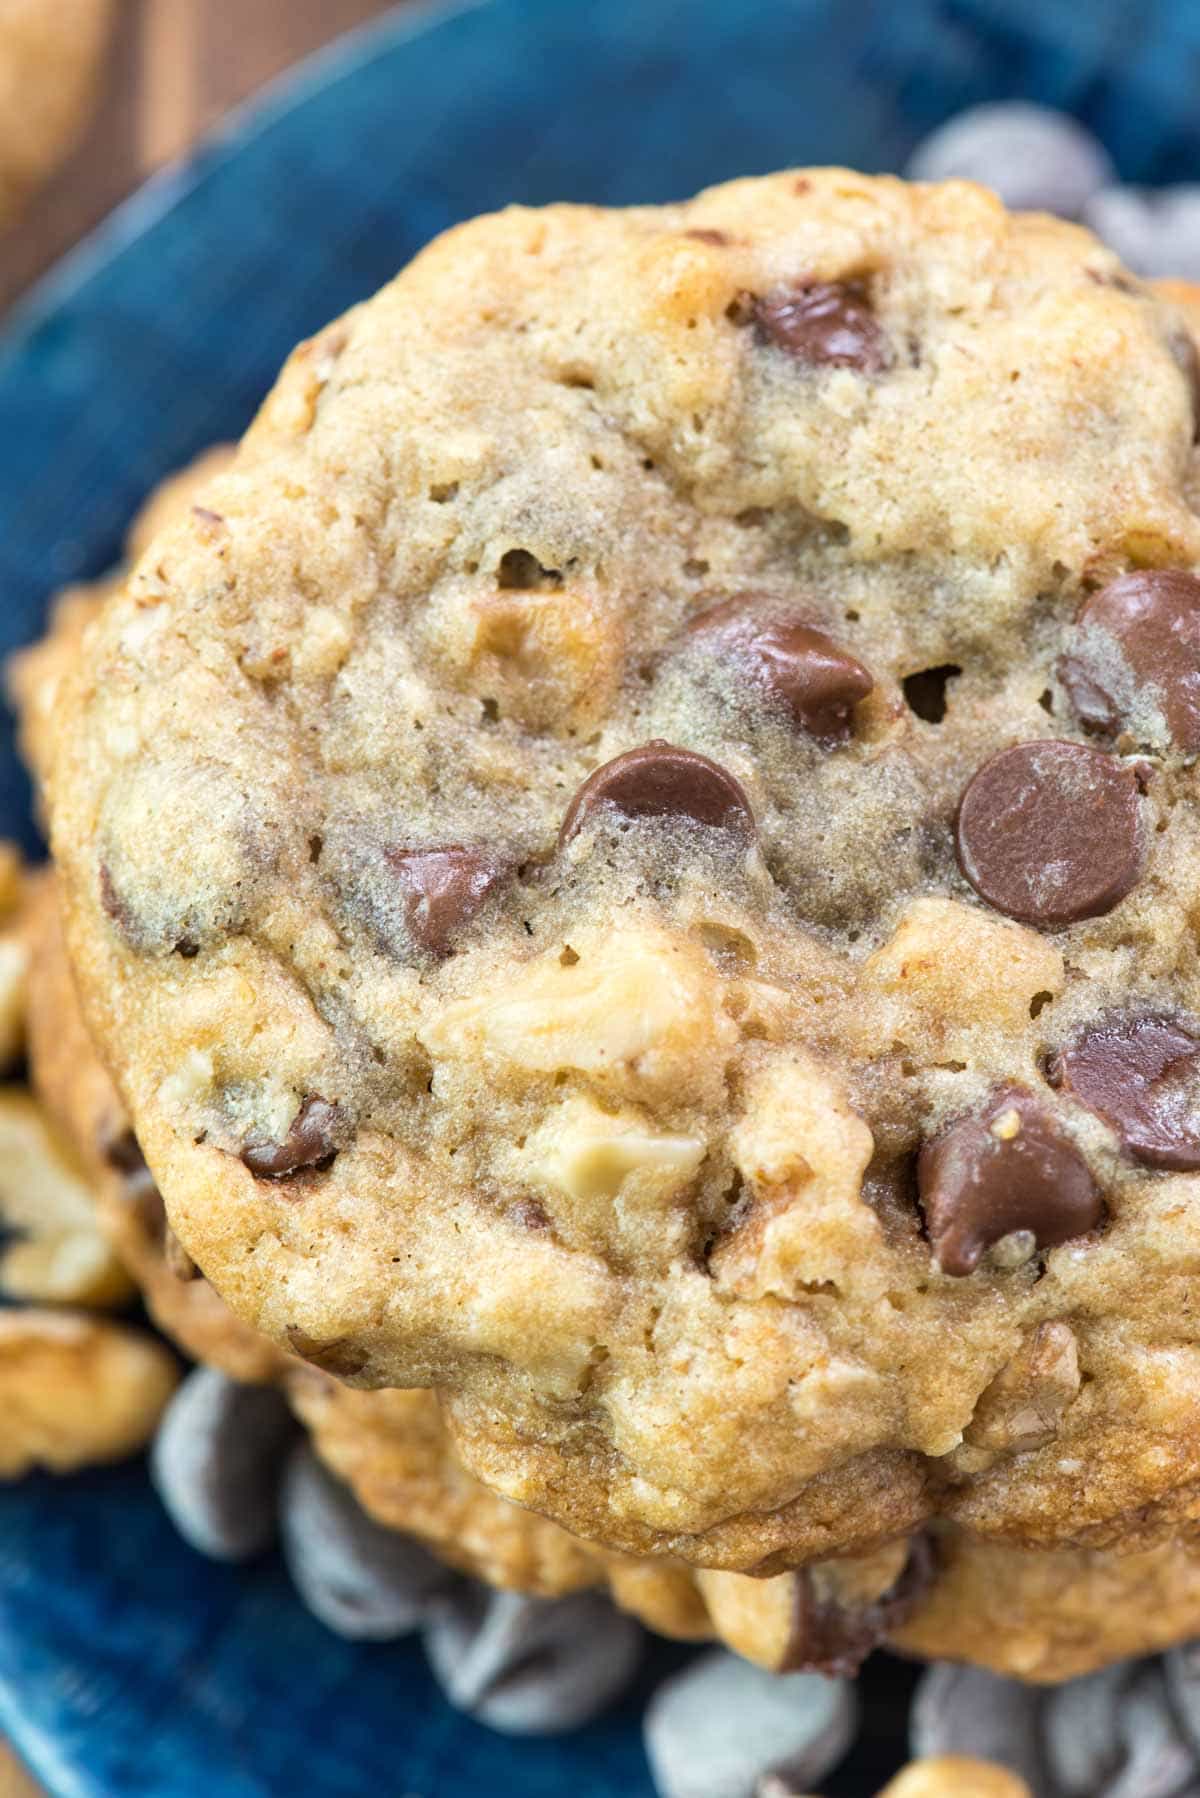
point(1039, 1614)
point(615, 853)
point(1044, 1615)
point(50, 52)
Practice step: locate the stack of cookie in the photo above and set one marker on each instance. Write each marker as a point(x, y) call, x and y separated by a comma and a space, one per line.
point(627, 880)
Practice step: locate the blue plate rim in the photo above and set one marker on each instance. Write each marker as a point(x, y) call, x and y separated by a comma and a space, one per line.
point(171, 185)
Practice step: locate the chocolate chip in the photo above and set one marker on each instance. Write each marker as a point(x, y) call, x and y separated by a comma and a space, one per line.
point(1005, 1169)
point(833, 1637)
point(1138, 636)
point(531, 1666)
point(312, 1141)
point(703, 234)
point(1118, 1734)
point(364, 1581)
point(721, 1728)
point(796, 664)
point(1095, 709)
point(826, 323)
point(443, 890)
point(1142, 1076)
point(660, 781)
point(967, 1711)
point(217, 1462)
point(1049, 832)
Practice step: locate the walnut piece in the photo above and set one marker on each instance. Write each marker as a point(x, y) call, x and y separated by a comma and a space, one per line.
point(1024, 1405)
point(76, 1390)
point(56, 1252)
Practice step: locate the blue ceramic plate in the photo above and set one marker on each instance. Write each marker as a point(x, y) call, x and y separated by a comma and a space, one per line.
point(127, 1666)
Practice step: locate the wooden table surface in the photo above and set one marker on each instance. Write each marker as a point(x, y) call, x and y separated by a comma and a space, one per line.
point(174, 67)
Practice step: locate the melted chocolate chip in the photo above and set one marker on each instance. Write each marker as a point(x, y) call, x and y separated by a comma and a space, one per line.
point(1140, 634)
point(443, 890)
point(704, 234)
point(1008, 1168)
point(313, 1141)
point(1050, 832)
point(828, 324)
point(797, 665)
point(836, 1638)
point(1142, 1076)
point(660, 781)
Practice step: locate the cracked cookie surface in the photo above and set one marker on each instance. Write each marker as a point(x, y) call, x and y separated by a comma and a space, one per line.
point(590, 865)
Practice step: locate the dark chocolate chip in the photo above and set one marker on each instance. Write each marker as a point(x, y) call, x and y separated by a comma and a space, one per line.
point(703, 234)
point(531, 1666)
point(217, 1462)
point(339, 1357)
point(1140, 634)
point(1049, 832)
point(1007, 1168)
point(826, 323)
point(1142, 1076)
point(364, 1581)
point(443, 890)
point(1095, 708)
point(723, 1728)
point(796, 664)
point(660, 781)
point(833, 1637)
point(313, 1141)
